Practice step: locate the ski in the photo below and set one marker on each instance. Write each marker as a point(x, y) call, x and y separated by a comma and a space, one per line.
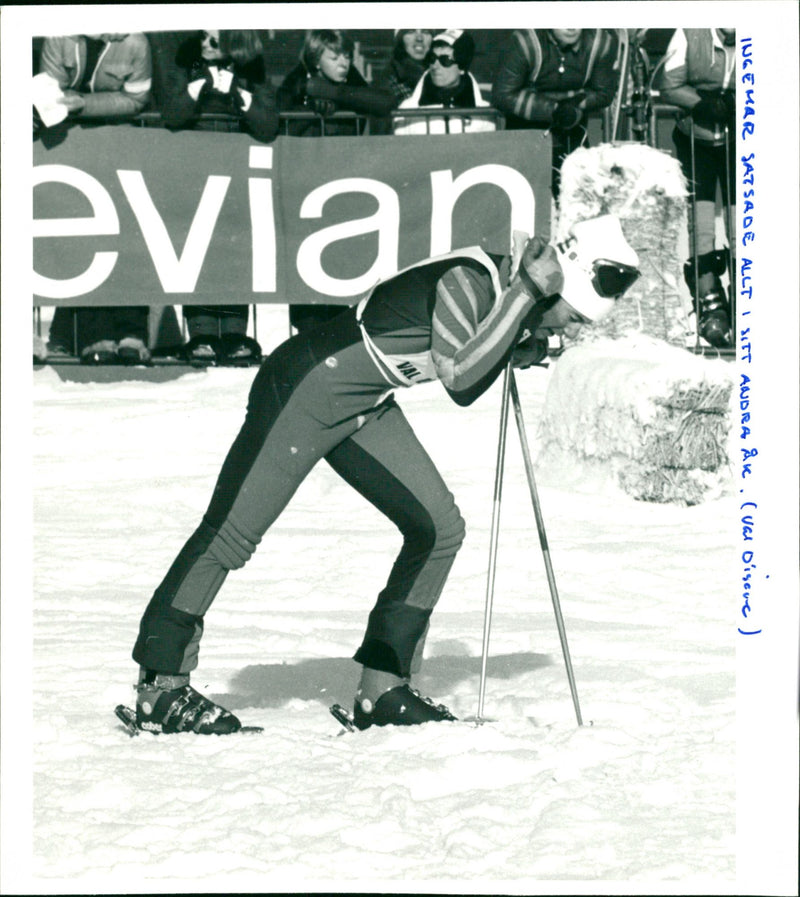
point(127, 716)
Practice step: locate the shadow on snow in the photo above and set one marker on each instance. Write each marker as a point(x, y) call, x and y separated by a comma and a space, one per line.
point(334, 679)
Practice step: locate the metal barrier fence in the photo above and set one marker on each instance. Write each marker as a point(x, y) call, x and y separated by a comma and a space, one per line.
point(220, 121)
point(454, 121)
point(654, 129)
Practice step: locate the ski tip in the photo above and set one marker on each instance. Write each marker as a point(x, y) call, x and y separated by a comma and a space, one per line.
point(128, 719)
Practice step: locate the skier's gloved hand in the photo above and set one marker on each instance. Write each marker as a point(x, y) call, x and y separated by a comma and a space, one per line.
point(539, 272)
point(566, 116)
point(529, 351)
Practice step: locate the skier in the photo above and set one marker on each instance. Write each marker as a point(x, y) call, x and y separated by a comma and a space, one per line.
point(329, 393)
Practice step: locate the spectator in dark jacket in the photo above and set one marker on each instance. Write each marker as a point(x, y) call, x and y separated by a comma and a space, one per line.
point(219, 72)
point(324, 82)
point(408, 63)
point(549, 78)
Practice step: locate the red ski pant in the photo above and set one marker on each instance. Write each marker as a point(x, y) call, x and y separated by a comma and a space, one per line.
point(315, 397)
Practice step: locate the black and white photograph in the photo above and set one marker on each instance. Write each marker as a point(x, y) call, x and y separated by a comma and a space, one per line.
point(403, 493)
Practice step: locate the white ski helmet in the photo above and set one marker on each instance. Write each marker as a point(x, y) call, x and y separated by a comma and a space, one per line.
point(599, 265)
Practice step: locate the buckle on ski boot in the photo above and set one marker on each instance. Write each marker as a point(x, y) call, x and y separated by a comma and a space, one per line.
point(170, 705)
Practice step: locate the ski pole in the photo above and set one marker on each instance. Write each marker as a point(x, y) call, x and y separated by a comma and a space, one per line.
point(729, 226)
point(498, 492)
point(537, 510)
point(694, 237)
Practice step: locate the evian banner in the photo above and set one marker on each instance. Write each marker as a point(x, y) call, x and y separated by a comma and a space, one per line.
point(145, 216)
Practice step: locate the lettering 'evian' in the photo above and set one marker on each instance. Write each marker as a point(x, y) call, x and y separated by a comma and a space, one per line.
point(179, 272)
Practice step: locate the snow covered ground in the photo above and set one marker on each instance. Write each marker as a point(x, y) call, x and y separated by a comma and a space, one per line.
point(641, 799)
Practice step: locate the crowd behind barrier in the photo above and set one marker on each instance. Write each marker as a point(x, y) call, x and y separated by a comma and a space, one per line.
point(617, 99)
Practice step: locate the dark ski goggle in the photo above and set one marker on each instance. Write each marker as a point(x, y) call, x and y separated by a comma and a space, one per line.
point(445, 61)
point(611, 279)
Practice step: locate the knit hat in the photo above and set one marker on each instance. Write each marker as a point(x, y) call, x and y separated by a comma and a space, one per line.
point(398, 32)
point(461, 42)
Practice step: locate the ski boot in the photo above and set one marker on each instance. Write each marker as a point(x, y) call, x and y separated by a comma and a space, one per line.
point(168, 704)
point(713, 310)
point(715, 327)
point(400, 706)
point(201, 350)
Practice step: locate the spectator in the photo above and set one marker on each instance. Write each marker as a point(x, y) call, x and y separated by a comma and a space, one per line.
point(550, 78)
point(102, 77)
point(407, 64)
point(698, 76)
point(325, 82)
point(219, 72)
point(447, 84)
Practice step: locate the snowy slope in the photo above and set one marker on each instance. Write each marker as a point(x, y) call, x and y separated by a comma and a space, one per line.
point(643, 793)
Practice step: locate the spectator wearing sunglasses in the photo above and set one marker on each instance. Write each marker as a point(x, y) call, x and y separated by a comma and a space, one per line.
point(550, 78)
point(446, 84)
point(220, 72)
point(325, 82)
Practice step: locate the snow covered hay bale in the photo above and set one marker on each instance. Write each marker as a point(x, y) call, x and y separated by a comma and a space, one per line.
point(653, 417)
point(645, 188)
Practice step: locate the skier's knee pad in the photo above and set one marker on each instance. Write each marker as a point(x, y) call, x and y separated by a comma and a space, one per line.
point(450, 529)
point(232, 547)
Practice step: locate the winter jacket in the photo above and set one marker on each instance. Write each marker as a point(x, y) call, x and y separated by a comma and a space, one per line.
point(251, 97)
point(120, 85)
point(299, 93)
point(447, 318)
point(401, 76)
point(466, 96)
point(697, 64)
point(535, 75)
